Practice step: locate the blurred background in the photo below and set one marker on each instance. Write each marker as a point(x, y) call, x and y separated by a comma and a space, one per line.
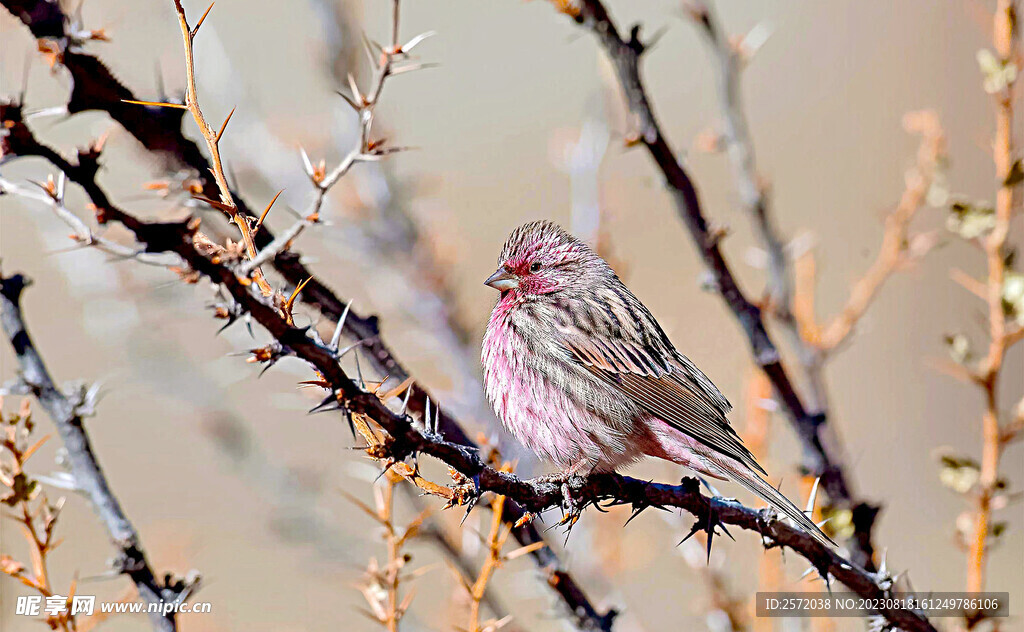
point(226, 473)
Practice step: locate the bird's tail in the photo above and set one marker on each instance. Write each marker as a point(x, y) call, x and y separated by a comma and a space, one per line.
point(754, 483)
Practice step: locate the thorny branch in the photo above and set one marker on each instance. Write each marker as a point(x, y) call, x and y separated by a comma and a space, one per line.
point(39, 522)
point(159, 130)
point(85, 468)
point(820, 459)
point(495, 541)
point(406, 438)
point(227, 203)
point(382, 585)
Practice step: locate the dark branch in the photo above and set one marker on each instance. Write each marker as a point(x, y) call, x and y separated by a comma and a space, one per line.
point(756, 202)
point(85, 468)
point(820, 461)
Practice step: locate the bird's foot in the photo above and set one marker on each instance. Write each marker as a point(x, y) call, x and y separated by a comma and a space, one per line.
point(465, 492)
point(572, 486)
point(709, 522)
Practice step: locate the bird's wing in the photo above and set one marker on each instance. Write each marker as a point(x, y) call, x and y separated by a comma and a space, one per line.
point(639, 360)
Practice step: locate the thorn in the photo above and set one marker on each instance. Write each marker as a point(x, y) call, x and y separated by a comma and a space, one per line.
point(371, 55)
point(291, 299)
point(405, 400)
point(811, 497)
point(355, 90)
point(336, 338)
point(224, 125)
point(61, 181)
point(266, 368)
point(882, 570)
point(359, 372)
point(413, 67)
point(711, 488)
point(637, 510)
point(341, 354)
point(416, 41)
point(708, 524)
point(306, 164)
point(267, 211)
point(435, 427)
point(426, 417)
point(374, 45)
point(156, 104)
point(473, 500)
point(195, 29)
point(351, 103)
point(653, 40)
point(322, 406)
point(351, 424)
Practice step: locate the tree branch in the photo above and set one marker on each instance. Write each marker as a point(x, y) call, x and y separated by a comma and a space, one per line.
point(85, 468)
point(820, 459)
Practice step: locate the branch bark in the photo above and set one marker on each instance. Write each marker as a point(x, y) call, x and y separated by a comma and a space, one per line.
point(85, 467)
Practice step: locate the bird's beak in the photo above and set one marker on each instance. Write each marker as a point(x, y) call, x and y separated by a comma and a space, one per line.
point(502, 280)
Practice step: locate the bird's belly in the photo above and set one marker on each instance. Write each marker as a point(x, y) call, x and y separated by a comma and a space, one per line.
point(541, 414)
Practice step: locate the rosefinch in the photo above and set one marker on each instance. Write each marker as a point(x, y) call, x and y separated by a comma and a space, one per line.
point(579, 371)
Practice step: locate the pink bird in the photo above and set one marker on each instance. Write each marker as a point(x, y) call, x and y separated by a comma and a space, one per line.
point(580, 372)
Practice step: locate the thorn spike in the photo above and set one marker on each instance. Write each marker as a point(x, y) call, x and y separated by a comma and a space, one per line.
point(195, 29)
point(224, 125)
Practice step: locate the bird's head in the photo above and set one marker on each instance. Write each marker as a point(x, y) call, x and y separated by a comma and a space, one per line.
point(541, 258)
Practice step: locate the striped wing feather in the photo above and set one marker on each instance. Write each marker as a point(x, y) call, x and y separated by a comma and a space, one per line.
point(662, 382)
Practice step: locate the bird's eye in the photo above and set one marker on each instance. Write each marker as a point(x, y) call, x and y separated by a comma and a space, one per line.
point(535, 266)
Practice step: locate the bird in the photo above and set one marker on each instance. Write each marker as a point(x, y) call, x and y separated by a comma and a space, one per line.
point(579, 371)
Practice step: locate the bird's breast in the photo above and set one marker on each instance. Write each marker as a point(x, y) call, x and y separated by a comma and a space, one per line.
point(543, 400)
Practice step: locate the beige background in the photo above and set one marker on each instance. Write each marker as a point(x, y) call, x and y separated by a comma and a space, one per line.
point(263, 522)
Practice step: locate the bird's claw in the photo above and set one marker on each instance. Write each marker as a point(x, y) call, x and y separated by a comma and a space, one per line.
point(465, 492)
point(710, 521)
point(572, 484)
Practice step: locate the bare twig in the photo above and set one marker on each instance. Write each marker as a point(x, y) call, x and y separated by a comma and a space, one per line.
point(36, 515)
point(367, 149)
point(212, 137)
point(383, 583)
point(84, 466)
point(898, 248)
point(495, 541)
point(51, 195)
point(1005, 37)
point(740, 148)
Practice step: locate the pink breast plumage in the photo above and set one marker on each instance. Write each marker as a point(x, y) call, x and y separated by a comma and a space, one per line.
point(538, 414)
